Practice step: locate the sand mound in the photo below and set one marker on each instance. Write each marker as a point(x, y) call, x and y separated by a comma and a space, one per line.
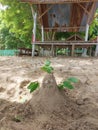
point(48, 98)
point(55, 109)
point(49, 108)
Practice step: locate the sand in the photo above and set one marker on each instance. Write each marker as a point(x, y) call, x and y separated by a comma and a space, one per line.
point(48, 108)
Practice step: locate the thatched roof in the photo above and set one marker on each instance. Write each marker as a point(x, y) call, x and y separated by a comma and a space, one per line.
point(65, 15)
point(56, 1)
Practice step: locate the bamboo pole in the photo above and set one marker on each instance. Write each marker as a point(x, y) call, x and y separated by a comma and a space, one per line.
point(34, 33)
point(34, 15)
point(86, 39)
point(86, 33)
point(42, 29)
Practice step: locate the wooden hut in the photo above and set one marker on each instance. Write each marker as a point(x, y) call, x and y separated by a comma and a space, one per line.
point(62, 16)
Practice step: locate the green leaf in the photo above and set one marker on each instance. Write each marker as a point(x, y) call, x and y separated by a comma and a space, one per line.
point(51, 68)
point(47, 63)
point(48, 69)
point(33, 86)
point(60, 86)
point(68, 85)
point(73, 79)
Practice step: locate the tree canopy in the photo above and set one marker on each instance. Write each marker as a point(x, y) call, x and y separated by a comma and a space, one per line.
point(17, 20)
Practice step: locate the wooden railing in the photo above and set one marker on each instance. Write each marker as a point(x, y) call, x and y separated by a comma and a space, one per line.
point(70, 45)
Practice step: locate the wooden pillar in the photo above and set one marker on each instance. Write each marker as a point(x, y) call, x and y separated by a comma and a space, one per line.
point(52, 50)
point(86, 33)
point(96, 51)
point(42, 39)
point(34, 15)
point(34, 33)
point(72, 49)
point(86, 39)
point(42, 30)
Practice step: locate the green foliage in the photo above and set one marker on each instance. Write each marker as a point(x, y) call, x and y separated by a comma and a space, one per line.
point(68, 83)
point(18, 20)
point(47, 68)
point(33, 86)
point(73, 79)
point(47, 63)
point(93, 31)
point(8, 40)
point(64, 35)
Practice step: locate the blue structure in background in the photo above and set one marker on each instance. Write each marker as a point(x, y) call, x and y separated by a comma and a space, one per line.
point(8, 52)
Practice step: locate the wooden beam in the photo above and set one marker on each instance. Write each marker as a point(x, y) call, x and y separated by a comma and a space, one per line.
point(63, 28)
point(45, 12)
point(57, 1)
point(85, 10)
point(90, 16)
point(39, 12)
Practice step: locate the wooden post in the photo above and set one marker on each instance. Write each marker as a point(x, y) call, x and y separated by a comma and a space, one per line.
point(42, 33)
point(72, 49)
point(34, 15)
point(86, 39)
point(96, 51)
point(52, 50)
point(86, 34)
point(90, 51)
point(34, 33)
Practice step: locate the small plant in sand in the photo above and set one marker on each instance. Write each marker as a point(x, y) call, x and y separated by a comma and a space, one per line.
point(33, 86)
point(68, 83)
point(47, 67)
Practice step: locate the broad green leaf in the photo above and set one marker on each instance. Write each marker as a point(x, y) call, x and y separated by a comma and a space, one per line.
point(33, 86)
point(67, 84)
point(47, 63)
point(73, 79)
point(48, 69)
